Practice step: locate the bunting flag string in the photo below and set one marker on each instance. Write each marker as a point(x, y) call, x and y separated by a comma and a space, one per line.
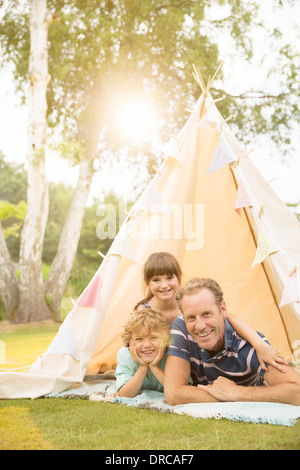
point(173, 150)
point(91, 296)
point(122, 245)
point(265, 247)
point(152, 201)
point(211, 117)
point(222, 157)
point(291, 292)
point(65, 342)
point(204, 122)
point(242, 198)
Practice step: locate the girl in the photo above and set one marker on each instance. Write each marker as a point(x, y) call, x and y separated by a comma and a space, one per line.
point(141, 361)
point(162, 278)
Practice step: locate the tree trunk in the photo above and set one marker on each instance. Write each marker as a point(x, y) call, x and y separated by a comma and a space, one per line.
point(62, 264)
point(32, 304)
point(9, 285)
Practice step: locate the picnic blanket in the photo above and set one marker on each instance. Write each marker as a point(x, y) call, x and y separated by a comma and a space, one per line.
point(269, 413)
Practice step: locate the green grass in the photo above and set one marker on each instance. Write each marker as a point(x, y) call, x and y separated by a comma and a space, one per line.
point(24, 343)
point(68, 424)
point(18, 431)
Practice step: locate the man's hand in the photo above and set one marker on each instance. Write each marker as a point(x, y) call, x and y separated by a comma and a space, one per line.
point(222, 389)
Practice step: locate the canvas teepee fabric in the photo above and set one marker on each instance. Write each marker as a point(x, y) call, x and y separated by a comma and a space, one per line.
point(232, 227)
point(210, 207)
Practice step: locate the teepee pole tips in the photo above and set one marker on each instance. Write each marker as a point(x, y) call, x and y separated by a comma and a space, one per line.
point(215, 74)
point(199, 79)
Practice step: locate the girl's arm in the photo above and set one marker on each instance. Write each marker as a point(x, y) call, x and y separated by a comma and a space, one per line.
point(265, 352)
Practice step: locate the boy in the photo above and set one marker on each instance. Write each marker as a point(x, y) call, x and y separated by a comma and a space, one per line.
point(141, 361)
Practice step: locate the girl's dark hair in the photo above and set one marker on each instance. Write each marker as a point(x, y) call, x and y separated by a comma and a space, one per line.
point(159, 264)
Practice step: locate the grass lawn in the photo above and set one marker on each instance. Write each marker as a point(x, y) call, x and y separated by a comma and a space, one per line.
point(66, 424)
point(69, 424)
point(23, 343)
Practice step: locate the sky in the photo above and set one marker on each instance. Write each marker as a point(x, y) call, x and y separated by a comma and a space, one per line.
point(284, 174)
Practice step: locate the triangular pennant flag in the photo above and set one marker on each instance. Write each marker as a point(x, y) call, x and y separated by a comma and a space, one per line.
point(211, 117)
point(151, 201)
point(265, 247)
point(204, 122)
point(291, 292)
point(242, 198)
point(223, 155)
point(121, 246)
point(65, 342)
point(91, 296)
point(173, 150)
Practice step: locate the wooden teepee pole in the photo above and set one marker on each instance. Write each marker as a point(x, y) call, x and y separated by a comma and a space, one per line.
point(209, 83)
point(199, 79)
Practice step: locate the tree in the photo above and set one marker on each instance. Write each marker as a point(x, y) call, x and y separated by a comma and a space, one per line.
point(32, 303)
point(98, 53)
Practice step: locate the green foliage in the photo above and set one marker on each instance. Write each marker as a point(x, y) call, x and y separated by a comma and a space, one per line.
point(102, 53)
point(13, 185)
point(90, 244)
point(15, 40)
point(13, 181)
point(71, 151)
point(8, 210)
point(13, 188)
point(87, 259)
point(59, 201)
point(107, 50)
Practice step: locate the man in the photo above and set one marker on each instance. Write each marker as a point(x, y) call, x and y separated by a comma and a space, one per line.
point(223, 366)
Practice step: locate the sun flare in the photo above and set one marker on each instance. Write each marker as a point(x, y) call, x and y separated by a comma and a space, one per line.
point(136, 119)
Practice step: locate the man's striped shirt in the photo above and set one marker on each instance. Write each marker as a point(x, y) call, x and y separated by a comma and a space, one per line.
point(238, 360)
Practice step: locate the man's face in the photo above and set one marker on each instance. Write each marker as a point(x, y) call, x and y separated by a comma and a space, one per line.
point(205, 320)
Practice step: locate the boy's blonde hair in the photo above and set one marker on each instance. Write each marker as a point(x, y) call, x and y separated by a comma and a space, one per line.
point(145, 320)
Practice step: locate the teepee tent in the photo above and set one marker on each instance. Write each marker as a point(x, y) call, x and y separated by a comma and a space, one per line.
point(210, 207)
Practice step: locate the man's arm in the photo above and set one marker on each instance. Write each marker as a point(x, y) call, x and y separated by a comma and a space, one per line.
point(176, 385)
point(282, 388)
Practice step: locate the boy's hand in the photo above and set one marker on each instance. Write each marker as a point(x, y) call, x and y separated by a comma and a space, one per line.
point(135, 355)
point(160, 354)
